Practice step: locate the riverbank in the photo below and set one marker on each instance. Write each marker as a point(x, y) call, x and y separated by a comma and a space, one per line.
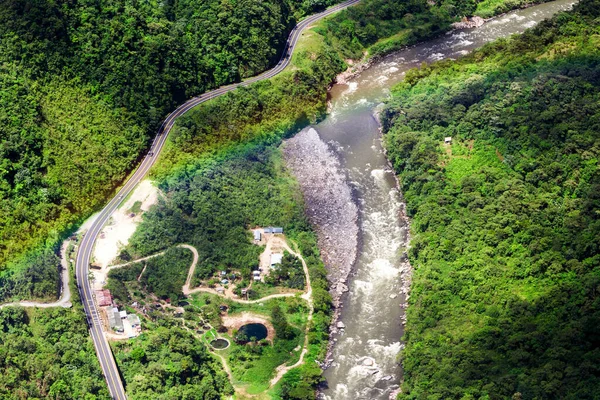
point(380, 283)
point(502, 303)
point(328, 204)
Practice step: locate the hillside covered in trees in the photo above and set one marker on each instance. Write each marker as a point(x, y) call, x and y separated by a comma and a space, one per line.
point(505, 299)
point(48, 354)
point(85, 84)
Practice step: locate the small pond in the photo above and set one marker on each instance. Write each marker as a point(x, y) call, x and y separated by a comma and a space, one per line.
point(252, 331)
point(219, 344)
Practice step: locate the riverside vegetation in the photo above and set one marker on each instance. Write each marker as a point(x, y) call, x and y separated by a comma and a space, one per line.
point(72, 125)
point(505, 299)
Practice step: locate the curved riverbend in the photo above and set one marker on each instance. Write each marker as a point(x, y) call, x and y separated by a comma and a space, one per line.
point(105, 357)
point(364, 355)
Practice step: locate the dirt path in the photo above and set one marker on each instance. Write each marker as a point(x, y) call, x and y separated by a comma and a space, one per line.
point(241, 301)
point(283, 369)
point(185, 246)
point(307, 295)
point(186, 287)
point(65, 296)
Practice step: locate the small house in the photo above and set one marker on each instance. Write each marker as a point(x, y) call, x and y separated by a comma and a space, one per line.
point(256, 272)
point(224, 282)
point(257, 277)
point(448, 140)
point(257, 235)
point(277, 230)
point(220, 290)
point(104, 298)
point(114, 320)
point(244, 292)
point(123, 314)
point(268, 230)
point(134, 320)
point(276, 259)
point(223, 273)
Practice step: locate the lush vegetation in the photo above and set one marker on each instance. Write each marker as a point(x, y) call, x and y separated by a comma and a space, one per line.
point(84, 84)
point(505, 220)
point(48, 353)
point(489, 8)
point(213, 208)
point(253, 363)
point(170, 363)
point(38, 279)
point(289, 273)
point(163, 276)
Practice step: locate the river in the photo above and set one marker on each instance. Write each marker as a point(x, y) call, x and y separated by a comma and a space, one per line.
point(365, 352)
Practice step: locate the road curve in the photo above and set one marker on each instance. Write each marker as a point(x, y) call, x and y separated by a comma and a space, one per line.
point(65, 296)
point(107, 361)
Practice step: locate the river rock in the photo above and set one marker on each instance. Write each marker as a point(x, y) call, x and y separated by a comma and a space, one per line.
point(393, 296)
point(329, 204)
point(366, 361)
point(341, 325)
point(467, 23)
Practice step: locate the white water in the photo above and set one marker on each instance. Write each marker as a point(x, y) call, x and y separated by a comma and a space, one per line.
point(365, 353)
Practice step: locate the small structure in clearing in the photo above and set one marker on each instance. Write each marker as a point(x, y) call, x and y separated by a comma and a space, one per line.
point(273, 230)
point(276, 259)
point(448, 140)
point(104, 298)
point(114, 320)
point(257, 235)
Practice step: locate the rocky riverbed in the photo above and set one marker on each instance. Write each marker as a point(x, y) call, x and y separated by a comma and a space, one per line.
point(328, 202)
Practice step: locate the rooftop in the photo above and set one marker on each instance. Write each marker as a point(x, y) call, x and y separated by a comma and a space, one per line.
point(276, 258)
point(104, 297)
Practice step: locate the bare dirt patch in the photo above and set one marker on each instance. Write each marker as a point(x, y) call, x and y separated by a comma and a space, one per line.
point(121, 226)
point(275, 244)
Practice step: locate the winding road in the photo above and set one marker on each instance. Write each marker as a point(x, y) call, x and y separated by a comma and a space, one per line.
point(105, 356)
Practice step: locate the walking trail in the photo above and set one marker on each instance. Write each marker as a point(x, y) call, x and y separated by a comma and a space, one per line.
point(65, 299)
point(282, 369)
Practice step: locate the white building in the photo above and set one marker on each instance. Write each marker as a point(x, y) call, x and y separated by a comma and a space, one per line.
point(276, 259)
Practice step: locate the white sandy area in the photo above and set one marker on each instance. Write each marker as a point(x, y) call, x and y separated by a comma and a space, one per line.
point(120, 227)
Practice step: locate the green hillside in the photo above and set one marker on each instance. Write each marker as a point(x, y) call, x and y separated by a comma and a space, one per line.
point(85, 85)
point(506, 220)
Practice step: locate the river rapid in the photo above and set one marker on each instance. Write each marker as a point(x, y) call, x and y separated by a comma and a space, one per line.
point(363, 360)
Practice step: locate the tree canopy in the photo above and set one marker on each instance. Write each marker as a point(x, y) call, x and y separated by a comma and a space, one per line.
point(505, 220)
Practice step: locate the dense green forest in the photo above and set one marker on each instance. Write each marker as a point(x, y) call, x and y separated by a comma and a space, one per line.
point(168, 362)
point(164, 276)
point(85, 84)
point(48, 353)
point(214, 207)
point(505, 299)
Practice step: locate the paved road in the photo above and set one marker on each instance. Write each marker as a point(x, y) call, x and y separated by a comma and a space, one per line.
point(107, 362)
